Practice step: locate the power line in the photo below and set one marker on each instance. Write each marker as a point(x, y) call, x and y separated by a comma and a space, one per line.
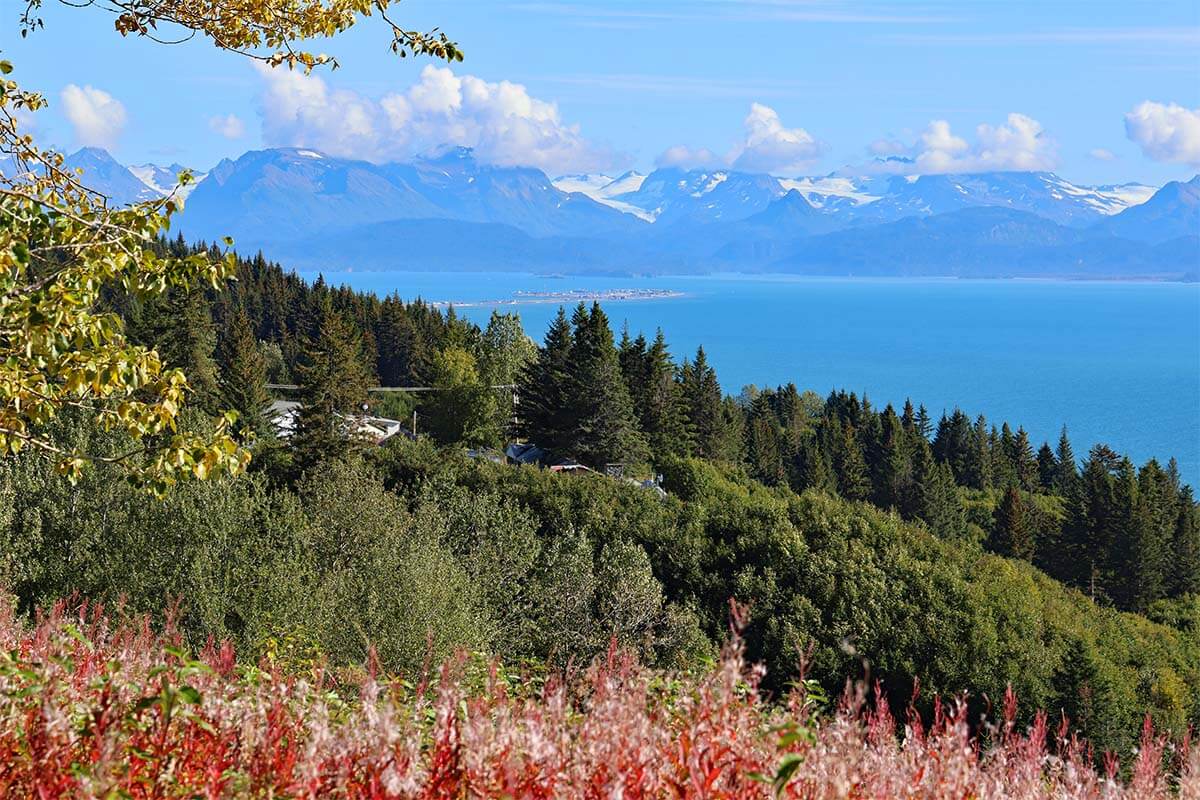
point(295, 387)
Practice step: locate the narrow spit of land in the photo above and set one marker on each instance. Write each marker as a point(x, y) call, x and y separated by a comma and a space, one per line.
point(569, 296)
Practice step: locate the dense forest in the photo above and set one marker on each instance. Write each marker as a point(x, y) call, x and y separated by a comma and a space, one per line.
point(860, 541)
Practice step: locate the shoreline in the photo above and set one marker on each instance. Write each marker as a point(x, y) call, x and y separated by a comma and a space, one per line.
point(533, 298)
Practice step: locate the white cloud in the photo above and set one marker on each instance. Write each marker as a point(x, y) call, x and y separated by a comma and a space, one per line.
point(97, 117)
point(766, 146)
point(1102, 154)
point(770, 147)
point(1019, 144)
point(1165, 132)
point(230, 126)
point(685, 157)
point(884, 147)
point(501, 121)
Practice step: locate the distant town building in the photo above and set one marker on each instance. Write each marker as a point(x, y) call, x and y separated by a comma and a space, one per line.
point(376, 430)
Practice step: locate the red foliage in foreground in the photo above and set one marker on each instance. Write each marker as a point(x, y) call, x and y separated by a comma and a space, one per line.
point(92, 709)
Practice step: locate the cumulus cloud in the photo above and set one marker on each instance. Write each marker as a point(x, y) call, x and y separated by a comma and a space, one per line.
point(501, 121)
point(885, 147)
point(770, 147)
point(1102, 154)
point(230, 126)
point(1165, 131)
point(766, 146)
point(1019, 144)
point(688, 158)
point(96, 116)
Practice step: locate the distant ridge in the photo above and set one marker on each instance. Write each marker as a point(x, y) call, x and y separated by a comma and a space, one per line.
point(449, 211)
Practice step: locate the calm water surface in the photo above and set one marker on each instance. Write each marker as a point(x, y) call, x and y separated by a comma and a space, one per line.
point(1116, 362)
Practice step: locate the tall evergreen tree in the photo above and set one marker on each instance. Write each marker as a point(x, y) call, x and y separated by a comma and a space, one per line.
point(333, 388)
point(1067, 473)
point(632, 355)
point(979, 459)
point(908, 417)
point(1000, 451)
point(1047, 468)
point(180, 326)
point(1012, 534)
point(763, 450)
point(1023, 460)
point(402, 358)
point(854, 480)
point(892, 465)
point(605, 430)
point(702, 396)
point(660, 407)
point(1121, 536)
point(544, 390)
point(952, 445)
point(1153, 531)
point(811, 466)
point(1185, 549)
point(243, 374)
point(924, 424)
point(940, 506)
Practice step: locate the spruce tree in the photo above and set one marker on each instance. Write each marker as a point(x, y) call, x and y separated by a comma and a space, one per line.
point(605, 430)
point(1185, 550)
point(940, 506)
point(181, 329)
point(854, 480)
point(979, 463)
point(892, 467)
point(1153, 529)
point(1012, 534)
point(1024, 462)
point(243, 374)
point(924, 424)
point(1067, 473)
point(400, 355)
point(632, 355)
point(333, 388)
point(812, 468)
point(702, 396)
point(763, 451)
point(1123, 536)
point(544, 390)
point(661, 410)
point(1047, 468)
point(909, 417)
point(1000, 452)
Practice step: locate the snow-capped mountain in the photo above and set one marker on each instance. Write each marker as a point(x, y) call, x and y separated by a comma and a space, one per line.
point(449, 211)
point(164, 180)
point(124, 185)
point(672, 195)
point(1041, 193)
point(591, 184)
point(708, 195)
point(604, 189)
point(1172, 212)
point(269, 196)
point(835, 193)
point(102, 173)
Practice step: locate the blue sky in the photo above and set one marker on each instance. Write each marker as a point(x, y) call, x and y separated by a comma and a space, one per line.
point(790, 87)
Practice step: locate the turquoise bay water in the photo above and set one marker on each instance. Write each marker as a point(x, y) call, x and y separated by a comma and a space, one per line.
point(1116, 362)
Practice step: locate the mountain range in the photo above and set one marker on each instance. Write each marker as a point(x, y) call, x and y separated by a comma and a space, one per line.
point(449, 211)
